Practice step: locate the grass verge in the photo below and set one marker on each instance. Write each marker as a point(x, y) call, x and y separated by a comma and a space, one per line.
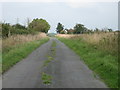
point(101, 62)
point(19, 52)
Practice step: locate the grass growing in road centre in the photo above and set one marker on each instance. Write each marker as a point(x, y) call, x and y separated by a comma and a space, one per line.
point(47, 79)
point(48, 61)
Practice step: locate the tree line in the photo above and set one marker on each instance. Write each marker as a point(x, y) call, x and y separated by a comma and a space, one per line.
point(79, 29)
point(41, 25)
point(33, 27)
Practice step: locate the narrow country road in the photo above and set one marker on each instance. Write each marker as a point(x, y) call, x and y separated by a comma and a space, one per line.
point(67, 70)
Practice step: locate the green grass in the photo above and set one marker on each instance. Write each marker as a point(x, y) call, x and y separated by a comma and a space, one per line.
point(47, 79)
point(105, 65)
point(50, 57)
point(53, 49)
point(46, 62)
point(54, 44)
point(16, 54)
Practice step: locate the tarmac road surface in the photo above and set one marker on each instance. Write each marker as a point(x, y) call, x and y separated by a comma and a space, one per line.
point(67, 70)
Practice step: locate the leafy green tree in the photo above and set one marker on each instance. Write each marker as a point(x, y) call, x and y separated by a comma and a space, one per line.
point(18, 26)
point(39, 25)
point(5, 29)
point(90, 31)
point(80, 29)
point(71, 31)
point(59, 28)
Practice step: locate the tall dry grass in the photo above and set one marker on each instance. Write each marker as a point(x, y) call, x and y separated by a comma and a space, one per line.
point(20, 39)
point(104, 41)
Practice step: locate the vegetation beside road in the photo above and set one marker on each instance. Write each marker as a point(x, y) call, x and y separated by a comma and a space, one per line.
point(15, 48)
point(19, 40)
point(80, 29)
point(33, 27)
point(99, 52)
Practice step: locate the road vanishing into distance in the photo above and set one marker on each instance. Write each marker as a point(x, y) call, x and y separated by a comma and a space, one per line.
point(65, 68)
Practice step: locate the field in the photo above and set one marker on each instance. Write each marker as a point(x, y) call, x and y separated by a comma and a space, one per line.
point(17, 47)
point(99, 51)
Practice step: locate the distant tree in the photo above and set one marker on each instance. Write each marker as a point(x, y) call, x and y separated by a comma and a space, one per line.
point(59, 28)
point(71, 31)
point(105, 30)
point(66, 29)
point(85, 30)
point(110, 30)
point(62, 32)
point(89, 31)
point(28, 21)
point(79, 29)
point(18, 26)
point(6, 30)
point(39, 25)
point(96, 30)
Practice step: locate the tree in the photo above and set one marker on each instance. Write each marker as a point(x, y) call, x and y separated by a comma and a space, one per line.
point(28, 21)
point(71, 31)
point(59, 28)
point(110, 30)
point(39, 25)
point(62, 32)
point(18, 26)
point(6, 30)
point(96, 30)
point(79, 29)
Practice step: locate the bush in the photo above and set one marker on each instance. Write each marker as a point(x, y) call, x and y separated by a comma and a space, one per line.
point(62, 32)
point(7, 30)
point(22, 31)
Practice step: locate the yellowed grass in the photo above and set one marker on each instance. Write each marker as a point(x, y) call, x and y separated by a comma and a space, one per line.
point(66, 35)
point(20, 39)
point(105, 41)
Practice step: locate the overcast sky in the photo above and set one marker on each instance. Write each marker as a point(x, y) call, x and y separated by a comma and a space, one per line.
point(91, 14)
